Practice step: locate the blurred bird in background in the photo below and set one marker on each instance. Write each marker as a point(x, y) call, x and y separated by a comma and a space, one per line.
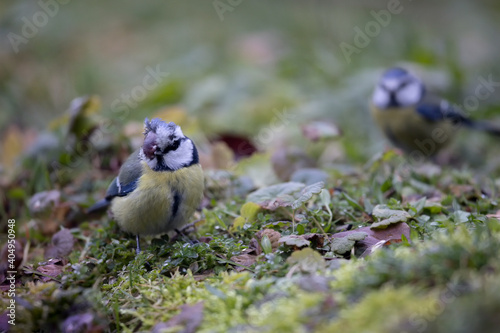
point(415, 120)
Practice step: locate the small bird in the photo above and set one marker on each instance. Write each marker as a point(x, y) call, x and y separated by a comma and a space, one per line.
point(159, 186)
point(413, 119)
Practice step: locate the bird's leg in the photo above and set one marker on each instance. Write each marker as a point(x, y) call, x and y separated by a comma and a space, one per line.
point(138, 249)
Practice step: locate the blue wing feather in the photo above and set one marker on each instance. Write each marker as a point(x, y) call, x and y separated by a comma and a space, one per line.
point(434, 109)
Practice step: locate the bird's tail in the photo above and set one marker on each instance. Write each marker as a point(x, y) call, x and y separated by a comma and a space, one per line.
point(488, 127)
point(99, 207)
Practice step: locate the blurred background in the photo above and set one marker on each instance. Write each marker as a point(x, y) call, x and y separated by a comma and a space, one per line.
point(224, 68)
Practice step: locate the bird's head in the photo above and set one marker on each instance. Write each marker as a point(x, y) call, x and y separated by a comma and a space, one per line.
point(397, 88)
point(165, 147)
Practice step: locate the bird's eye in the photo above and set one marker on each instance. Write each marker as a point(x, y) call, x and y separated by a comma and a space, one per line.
point(171, 137)
point(403, 84)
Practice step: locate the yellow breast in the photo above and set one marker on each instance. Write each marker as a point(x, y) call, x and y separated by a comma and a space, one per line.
point(162, 201)
point(413, 133)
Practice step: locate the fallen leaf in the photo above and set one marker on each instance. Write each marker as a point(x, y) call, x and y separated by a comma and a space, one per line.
point(239, 146)
point(246, 260)
point(249, 211)
point(294, 241)
point(306, 194)
point(342, 245)
point(320, 130)
point(284, 195)
point(62, 244)
point(187, 321)
point(377, 237)
point(50, 270)
point(306, 260)
point(42, 203)
point(388, 216)
point(271, 234)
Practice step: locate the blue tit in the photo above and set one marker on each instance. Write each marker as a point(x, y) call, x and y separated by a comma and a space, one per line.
point(159, 186)
point(413, 119)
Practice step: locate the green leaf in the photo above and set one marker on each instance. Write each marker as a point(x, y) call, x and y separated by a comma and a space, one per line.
point(388, 216)
point(345, 244)
point(294, 240)
point(353, 203)
point(419, 205)
point(307, 260)
point(250, 210)
point(266, 245)
point(325, 197)
point(284, 195)
point(306, 194)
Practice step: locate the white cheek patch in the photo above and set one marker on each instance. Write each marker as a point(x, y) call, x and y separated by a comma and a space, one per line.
point(164, 134)
point(180, 157)
point(178, 132)
point(380, 98)
point(392, 84)
point(410, 94)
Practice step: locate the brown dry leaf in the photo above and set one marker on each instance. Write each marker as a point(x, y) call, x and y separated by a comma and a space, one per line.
point(62, 244)
point(317, 240)
point(187, 321)
point(246, 260)
point(273, 236)
point(378, 237)
point(50, 270)
point(46, 271)
point(240, 146)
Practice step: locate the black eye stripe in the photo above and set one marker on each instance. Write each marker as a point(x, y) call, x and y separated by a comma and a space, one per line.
point(173, 146)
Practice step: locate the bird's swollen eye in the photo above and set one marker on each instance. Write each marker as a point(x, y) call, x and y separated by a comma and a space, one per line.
point(150, 146)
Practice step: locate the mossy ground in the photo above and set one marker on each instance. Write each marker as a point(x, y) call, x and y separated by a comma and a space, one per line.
point(271, 79)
